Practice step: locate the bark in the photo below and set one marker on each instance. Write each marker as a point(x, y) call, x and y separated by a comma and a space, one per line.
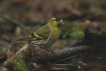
point(46, 56)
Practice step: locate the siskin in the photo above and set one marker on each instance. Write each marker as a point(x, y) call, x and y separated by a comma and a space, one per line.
point(45, 36)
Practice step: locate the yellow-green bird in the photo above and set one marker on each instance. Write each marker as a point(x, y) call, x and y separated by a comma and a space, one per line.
point(45, 36)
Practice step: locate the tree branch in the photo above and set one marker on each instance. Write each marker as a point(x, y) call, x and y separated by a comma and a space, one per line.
point(18, 61)
point(46, 56)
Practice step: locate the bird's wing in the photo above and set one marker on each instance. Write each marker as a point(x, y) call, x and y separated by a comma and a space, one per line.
point(40, 35)
point(43, 31)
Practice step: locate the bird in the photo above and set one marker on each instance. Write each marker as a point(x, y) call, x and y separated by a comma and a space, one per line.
point(45, 36)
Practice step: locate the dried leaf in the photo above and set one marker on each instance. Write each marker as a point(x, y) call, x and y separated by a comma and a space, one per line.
point(9, 54)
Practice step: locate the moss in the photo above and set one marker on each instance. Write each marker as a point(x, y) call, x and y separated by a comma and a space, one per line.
point(77, 32)
point(15, 34)
point(72, 31)
point(18, 62)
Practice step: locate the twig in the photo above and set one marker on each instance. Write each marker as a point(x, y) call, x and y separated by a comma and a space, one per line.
point(76, 66)
point(14, 21)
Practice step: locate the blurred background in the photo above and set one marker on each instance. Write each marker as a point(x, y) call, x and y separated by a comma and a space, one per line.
point(33, 14)
point(78, 16)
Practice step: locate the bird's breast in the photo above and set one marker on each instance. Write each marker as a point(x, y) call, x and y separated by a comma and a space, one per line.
point(56, 34)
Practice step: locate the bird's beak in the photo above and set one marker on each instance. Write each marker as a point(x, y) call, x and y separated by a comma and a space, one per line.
point(61, 22)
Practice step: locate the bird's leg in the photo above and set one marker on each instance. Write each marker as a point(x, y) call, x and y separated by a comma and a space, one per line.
point(50, 51)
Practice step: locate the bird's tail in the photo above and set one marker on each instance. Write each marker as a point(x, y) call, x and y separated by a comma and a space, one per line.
point(22, 40)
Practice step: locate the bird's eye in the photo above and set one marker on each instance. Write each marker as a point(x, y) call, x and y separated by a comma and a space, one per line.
point(57, 18)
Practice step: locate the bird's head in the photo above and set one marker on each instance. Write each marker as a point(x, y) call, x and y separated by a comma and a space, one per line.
point(56, 22)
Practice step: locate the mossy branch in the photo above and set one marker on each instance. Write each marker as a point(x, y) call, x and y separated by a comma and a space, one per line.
point(18, 61)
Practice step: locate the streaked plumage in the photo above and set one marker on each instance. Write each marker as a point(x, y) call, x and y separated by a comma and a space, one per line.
point(45, 36)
